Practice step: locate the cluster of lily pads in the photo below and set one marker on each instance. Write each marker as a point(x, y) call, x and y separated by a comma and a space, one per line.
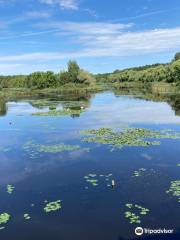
point(35, 150)
point(139, 172)
point(127, 136)
point(4, 218)
point(63, 112)
point(53, 206)
point(27, 216)
point(94, 179)
point(132, 215)
point(175, 189)
point(50, 207)
point(10, 189)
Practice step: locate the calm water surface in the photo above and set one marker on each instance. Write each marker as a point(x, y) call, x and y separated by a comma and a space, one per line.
point(95, 213)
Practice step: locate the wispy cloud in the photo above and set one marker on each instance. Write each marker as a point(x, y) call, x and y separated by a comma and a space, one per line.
point(5, 2)
point(63, 4)
point(147, 14)
point(36, 14)
point(104, 40)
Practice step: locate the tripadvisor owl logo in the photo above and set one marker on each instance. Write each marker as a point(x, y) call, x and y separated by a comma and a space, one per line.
point(139, 231)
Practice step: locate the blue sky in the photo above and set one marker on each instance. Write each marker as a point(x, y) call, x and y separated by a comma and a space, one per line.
point(40, 35)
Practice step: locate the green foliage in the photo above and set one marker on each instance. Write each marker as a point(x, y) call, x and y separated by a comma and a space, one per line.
point(73, 71)
point(85, 77)
point(42, 80)
point(63, 77)
point(177, 56)
point(169, 73)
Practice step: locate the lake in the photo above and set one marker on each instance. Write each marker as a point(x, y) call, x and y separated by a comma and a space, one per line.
point(45, 158)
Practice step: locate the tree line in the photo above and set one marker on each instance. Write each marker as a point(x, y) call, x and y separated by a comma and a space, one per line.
point(40, 80)
point(169, 73)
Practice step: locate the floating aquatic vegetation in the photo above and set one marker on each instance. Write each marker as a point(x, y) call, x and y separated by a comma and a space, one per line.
point(57, 148)
point(132, 217)
point(35, 149)
point(27, 216)
point(129, 205)
point(94, 179)
point(63, 112)
point(10, 189)
point(175, 189)
point(4, 218)
point(178, 164)
point(139, 172)
point(53, 206)
point(133, 214)
point(127, 136)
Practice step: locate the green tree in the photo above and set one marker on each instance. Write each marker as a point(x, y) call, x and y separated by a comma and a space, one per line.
point(73, 71)
point(63, 77)
point(177, 56)
point(51, 80)
point(85, 77)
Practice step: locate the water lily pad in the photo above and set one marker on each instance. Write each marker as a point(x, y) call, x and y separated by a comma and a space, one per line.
point(27, 216)
point(10, 189)
point(127, 137)
point(175, 189)
point(95, 179)
point(35, 150)
point(4, 218)
point(53, 206)
point(139, 172)
point(133, 215)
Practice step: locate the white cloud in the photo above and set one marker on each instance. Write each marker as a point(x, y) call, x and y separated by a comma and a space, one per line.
point(100, 39)
point(64, 4)
point(36, 14)
point(148, 14)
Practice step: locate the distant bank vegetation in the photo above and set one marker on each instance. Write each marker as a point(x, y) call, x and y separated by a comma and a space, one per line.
point(168, 73)
point(163, 73)
point(41, 80)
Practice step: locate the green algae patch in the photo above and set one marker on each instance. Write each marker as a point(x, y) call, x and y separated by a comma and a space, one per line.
point(27, 216)
point(10, 189)
point(53, 206)
point(35, 150)
point(139, 172)
point(178, 164)
point(134, 215)
point(132, 137)
point(63, 112)
point(174, 189)
point(4, 218)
